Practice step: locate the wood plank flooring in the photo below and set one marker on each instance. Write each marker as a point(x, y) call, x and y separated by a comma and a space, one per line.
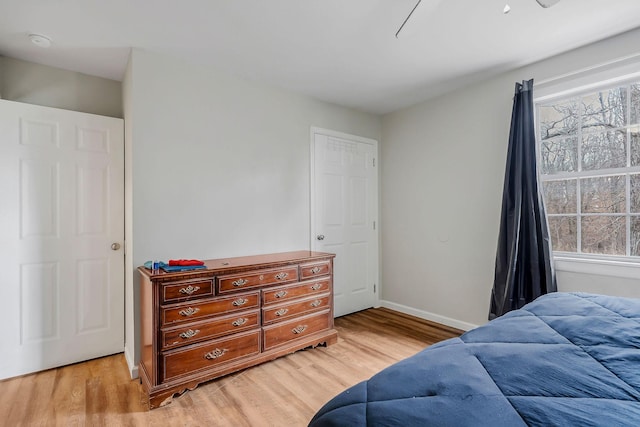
point(285, 392)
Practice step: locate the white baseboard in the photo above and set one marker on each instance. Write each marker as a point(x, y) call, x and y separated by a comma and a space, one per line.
point(428, 316)
point(133, 368)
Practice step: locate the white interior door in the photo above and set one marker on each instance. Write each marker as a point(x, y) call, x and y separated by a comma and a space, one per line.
point(61, 209)
point(344, 214)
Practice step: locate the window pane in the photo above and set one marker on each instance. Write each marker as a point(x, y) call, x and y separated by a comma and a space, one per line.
point(563, 233)
point(635, 104)
point(635, 146)
point(605, 110)
point(634, 179)
point(604, 235)
point(604, 150)
point(560, 196)
point(558, 119)
point(559, 155)
point(635, 236)
point(589, 165)
point(603, 194)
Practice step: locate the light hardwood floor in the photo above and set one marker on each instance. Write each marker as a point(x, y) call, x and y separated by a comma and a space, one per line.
point(285, 392)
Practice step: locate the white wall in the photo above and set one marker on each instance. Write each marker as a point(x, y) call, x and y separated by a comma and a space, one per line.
point(131, 294)
point(220, 165)
point(442, 167)
point(32, 83)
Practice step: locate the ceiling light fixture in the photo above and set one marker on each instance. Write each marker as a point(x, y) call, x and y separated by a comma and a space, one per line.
point(40, 40)
point(506, 9)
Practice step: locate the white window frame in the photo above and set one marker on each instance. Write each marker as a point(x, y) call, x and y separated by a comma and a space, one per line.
point(600, 77)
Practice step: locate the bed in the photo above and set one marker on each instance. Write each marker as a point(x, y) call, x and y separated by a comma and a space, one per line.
point(566, 359)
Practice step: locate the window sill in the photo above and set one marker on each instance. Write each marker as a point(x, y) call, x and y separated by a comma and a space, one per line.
point(628, 269)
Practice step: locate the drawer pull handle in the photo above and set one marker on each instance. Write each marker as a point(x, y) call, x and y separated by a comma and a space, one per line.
point(241, 321)
point(215, 354)
point(240, 301)
point(299, 329)
point(239, 282)
point(282, 312)
point(282, 276)
point(189, 290)
point(189, 334)
point(316, 303)
point(316, 270)
point(281, 294)
point(189, 311)
point(316, 286)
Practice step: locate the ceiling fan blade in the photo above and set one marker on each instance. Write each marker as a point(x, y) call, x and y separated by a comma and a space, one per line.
point(547, 3)
point(407, 18)
point(422, 10)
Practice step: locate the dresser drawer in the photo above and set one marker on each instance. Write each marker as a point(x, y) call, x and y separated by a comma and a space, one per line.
point(198, 310)
point(187, 289)
point(207, 329)
point(315, 269)
point(297, 308)
point(282, 333)
point(252, 279)
point(289, 292)
point(209, 354)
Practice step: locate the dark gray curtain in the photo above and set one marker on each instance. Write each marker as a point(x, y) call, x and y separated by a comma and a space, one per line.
point(524, 268)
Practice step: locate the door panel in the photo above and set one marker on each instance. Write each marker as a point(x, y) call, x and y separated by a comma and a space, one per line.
point(39, 300)
point(62, 192)
point(344, 210)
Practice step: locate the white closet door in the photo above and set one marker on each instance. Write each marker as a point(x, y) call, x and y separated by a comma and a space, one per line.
point(344, 212)
point(62, 210)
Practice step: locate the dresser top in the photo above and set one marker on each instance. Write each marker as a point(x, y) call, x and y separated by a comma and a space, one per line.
point(222, 265)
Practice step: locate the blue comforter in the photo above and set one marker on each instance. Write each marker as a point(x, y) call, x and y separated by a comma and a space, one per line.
point(562, 360)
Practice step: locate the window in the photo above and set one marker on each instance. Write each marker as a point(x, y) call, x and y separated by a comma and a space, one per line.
point(589, 166)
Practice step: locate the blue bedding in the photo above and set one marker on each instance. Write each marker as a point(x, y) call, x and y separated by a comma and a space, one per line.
point(566, 359)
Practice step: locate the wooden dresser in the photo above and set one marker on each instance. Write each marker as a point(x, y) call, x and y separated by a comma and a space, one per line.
point(202, 324)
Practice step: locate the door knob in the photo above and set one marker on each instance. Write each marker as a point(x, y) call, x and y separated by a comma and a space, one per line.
point(115, 246)
point(320, 237)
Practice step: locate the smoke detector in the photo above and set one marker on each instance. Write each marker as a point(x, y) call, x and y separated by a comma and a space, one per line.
point(40, 40)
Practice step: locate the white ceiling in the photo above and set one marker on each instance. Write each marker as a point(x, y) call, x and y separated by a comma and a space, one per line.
point(340, 51)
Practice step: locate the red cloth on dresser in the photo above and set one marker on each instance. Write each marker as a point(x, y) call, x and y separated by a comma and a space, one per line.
point(185, 262)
